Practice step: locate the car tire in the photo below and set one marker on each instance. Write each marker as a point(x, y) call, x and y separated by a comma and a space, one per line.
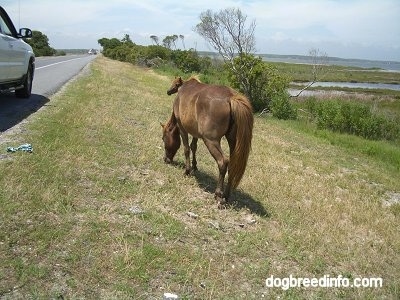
point(25, 92)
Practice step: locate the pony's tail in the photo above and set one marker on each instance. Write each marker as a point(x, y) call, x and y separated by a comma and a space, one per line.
point(242, 114)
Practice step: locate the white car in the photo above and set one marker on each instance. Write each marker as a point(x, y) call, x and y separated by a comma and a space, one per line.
point(92, 51)
point(17, 60)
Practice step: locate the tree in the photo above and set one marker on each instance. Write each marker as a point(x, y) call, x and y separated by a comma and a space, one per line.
point(127, 39)
point(155, 39)
point(226, 32)
point(319, 60)
point(182, 37)
point(40, 44)
point(174, 38)
point(109, 43)
point(167, 42)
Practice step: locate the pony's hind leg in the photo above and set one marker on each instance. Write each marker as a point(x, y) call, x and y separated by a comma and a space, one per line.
point(216, 151)
point(231, 138)
point(193, 147)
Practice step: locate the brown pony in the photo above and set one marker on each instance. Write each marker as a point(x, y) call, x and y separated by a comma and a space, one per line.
point(210, 112)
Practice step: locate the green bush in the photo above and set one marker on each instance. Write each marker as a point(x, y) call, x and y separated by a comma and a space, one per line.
point(259, 81)
point(282, 108)
point(156, 51)
point(189, 61)
point(352, 117)
point(329, 116)
point(61, 53)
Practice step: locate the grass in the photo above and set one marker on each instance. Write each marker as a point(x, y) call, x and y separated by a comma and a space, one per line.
point(95, 213)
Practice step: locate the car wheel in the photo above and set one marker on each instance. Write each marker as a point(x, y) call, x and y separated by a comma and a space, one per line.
point(25, 92)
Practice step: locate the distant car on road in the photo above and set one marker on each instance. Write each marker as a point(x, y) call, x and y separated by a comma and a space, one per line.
point(92, 51)
point(17, 60)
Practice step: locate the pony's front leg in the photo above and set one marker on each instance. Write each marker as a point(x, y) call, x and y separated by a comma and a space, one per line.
point(186, 149)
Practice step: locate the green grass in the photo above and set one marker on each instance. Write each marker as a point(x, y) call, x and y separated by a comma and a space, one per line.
point(384, 152)
point(95, 213)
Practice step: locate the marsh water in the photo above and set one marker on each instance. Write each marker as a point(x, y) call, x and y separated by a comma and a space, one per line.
point(388, 66)
point(373, 65)
point(362, 85)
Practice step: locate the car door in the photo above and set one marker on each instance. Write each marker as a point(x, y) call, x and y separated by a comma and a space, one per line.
point(16, 56)
point(4, 49)
point(12, 56)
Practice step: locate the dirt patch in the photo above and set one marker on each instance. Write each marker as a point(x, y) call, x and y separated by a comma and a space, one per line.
point(391, 198)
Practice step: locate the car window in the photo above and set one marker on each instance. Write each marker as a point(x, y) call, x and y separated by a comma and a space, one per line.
point(4, 27)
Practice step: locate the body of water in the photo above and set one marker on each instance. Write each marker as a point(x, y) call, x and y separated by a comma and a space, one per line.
point(392, 66)
point(395, 87)
point(384, 66)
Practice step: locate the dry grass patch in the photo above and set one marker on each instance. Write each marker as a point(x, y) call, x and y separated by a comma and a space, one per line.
point(95, 213)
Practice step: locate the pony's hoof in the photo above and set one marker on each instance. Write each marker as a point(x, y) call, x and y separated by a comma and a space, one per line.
point(222, 202)
point(222, 205)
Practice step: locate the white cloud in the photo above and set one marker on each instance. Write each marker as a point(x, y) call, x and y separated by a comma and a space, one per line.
point(336, 24)
point(283, 26)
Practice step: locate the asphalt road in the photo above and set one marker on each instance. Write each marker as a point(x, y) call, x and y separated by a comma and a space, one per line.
point(51, 73)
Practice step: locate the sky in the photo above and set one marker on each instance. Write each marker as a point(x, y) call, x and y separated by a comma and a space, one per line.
point(361, 29)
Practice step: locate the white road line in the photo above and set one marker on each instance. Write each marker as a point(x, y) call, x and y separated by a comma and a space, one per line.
point(57, 63)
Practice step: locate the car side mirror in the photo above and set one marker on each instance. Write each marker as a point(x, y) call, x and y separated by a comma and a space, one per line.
point(25, 33)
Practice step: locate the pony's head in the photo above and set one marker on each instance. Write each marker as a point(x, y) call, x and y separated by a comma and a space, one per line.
point(171, 139)
point(175, 86)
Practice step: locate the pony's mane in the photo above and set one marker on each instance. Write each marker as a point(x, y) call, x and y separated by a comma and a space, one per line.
point(171, 122)
point(195, 77)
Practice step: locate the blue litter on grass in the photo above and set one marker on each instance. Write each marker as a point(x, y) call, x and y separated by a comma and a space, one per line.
point(24, 147)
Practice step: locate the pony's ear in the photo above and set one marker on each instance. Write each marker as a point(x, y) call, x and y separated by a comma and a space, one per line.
point(162, 125)
point(180, 80)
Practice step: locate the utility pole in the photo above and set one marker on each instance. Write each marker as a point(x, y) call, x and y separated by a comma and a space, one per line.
point(19, 14)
